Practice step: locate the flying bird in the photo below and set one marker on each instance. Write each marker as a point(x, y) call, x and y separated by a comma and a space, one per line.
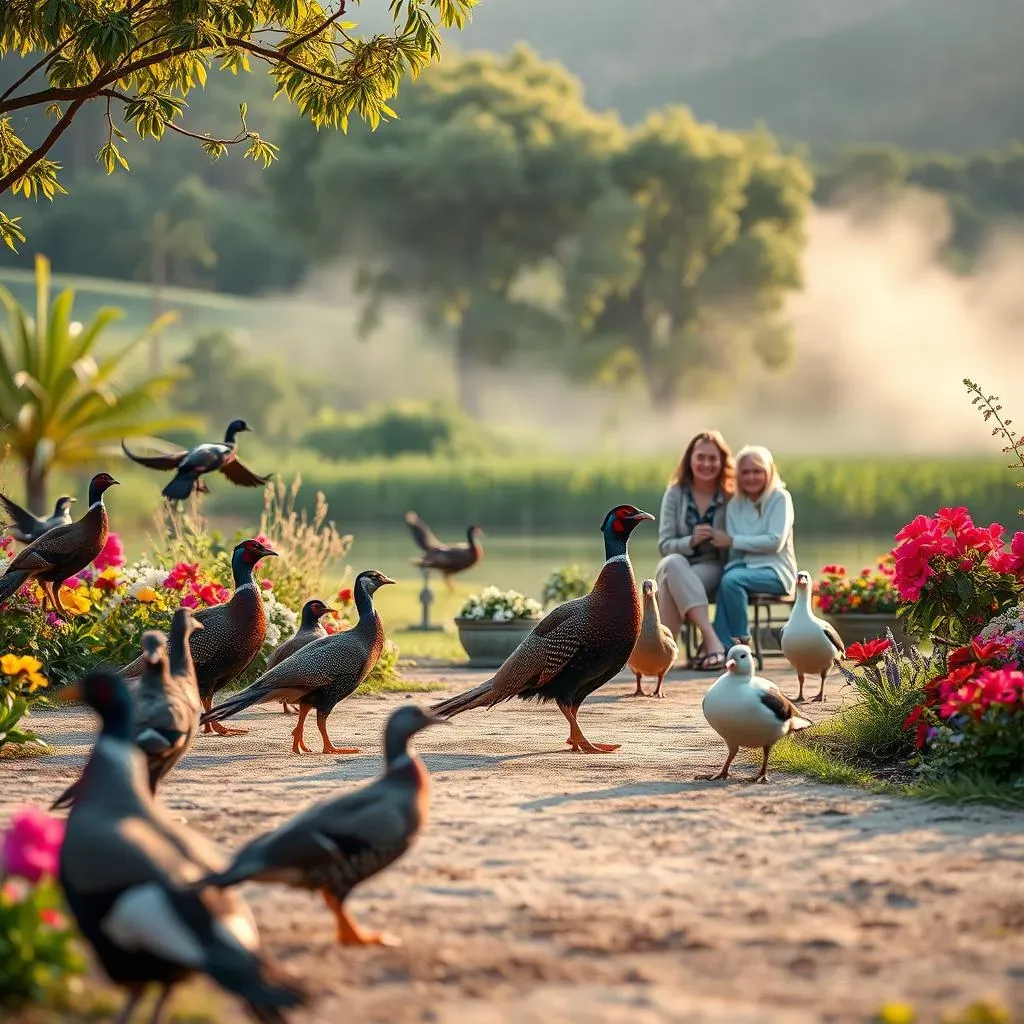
point(192, 465)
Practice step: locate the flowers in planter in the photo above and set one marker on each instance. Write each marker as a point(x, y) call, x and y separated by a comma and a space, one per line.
point(38, 951)
point(954, 576)
point(21, 681)
point(871, 591)
point(972, 718)
point(499, 606)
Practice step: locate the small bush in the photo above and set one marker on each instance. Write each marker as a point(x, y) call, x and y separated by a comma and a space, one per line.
point(565, 584)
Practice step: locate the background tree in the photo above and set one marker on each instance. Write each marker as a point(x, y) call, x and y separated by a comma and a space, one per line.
point(143, 59)
point(692, 279)
point(492, 167)
point(60, 403)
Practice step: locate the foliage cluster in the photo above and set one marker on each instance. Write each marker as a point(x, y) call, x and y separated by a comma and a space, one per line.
point(565, 584)
point(871, 591)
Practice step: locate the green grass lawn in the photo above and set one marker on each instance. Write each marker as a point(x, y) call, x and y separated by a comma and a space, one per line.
point(399, 608)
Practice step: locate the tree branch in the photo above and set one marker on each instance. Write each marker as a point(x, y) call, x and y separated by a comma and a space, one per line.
point(314, 32)
point(7, 180)
point(270, 54)
point(35, 67)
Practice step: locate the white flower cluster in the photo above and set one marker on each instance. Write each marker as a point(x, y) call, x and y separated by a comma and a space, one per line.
point(281, 620)
point(499, 606)
point(130, 580)
point(1009, 624)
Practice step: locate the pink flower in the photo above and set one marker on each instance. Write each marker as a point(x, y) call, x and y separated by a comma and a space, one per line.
point(31, 844)
point(262, 538)
point(190, 601)
point(71, 582)
point(955, 519)
point(52, 918)
point(267, 584)
point(112, 554)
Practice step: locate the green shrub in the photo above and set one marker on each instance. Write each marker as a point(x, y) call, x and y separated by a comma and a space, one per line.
point(564, 584)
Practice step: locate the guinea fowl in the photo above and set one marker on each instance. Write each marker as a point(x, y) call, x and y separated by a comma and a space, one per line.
point(578, 646)
point(128, 872)
point(62, 551)
point(321, 674)
point(232, 633)
point(447, 559)
point(335, 845)
point(308, 631)
point(26, 527)
point(656, 647)
point(810, 644)
point(212, 457)
point(748, 711)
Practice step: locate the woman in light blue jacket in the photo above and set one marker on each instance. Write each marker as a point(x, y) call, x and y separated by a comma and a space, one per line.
point(759, 532)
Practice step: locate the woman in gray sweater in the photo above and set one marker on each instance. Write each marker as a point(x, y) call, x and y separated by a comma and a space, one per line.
point(693, 512)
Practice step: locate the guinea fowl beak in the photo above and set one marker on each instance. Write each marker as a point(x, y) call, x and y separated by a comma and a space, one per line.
point(385, 580)
point(639, 517)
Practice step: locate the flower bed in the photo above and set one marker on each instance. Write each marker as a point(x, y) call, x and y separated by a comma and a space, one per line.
point(869, 592)
point(495, 605)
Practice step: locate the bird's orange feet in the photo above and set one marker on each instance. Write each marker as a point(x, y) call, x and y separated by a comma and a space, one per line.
point(349, 933)
point(330, 748)
point(222, 730)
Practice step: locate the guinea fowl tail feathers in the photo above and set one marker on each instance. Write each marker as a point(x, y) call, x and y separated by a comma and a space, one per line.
point(9, 584)
point(239, 702)
point(180, 486)
point(479, 697)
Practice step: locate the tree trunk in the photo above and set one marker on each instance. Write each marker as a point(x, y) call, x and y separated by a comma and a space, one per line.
point(467, 377)
point(35, 489)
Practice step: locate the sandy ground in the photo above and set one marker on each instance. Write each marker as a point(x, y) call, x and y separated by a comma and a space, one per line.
point(550, 886)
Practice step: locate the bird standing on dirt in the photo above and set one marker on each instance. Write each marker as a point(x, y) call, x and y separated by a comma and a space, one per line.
point(810, 644)
point(335, 845)
point(62, 551)
point(577, 646)
point(232, 633)
point(321, 674)
point(748, 711)
point(447, 559)
point(128, 872)
point(212, 457)
point(26, 527)
point(308, 631)
point(656, 648)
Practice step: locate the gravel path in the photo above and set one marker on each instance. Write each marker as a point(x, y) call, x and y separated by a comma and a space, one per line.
point(551, 887)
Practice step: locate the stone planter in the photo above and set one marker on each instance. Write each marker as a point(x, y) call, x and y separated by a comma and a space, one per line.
point(856, 627)
point(489, 643)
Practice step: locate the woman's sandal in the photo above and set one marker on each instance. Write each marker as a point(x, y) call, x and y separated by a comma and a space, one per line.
point(713, 662)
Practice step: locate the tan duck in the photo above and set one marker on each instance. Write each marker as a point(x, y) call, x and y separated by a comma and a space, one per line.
point(656, 648)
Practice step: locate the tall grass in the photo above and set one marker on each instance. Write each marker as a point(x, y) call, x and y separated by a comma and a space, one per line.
point(564, 494)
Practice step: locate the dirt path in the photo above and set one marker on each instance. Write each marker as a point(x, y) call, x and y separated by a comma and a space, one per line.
point(557, 887)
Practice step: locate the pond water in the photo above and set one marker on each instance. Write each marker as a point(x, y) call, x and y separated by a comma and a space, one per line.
point(523, 562)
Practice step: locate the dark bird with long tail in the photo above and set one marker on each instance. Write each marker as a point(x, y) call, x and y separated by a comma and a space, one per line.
point(128, 872)
point(191, 465)
point(447, 559)
point(335, 845)
point(578, 646)
point(26, 527)
point(309, 630)
point(322, 673)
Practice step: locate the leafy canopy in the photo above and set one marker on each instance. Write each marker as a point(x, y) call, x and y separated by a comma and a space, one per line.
point(143, 57)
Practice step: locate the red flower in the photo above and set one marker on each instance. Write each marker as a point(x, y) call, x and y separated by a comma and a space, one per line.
point(921, 735)
point(267, 584)
point(52, 918)
point(955, 519)
point(834, 570)
point(868, 652)
point(912, 718)
point(825, 602)
point(345, 595)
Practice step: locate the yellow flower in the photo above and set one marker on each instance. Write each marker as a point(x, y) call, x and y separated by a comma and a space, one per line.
point(36, 681)
point(74, 601)
point(147, 595)
point(897, 1013)
point(14, 664)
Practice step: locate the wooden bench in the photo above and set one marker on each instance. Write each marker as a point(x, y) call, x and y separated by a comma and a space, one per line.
point(758, 603)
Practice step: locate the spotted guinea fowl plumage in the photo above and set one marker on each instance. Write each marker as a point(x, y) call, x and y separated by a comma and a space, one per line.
point(578, 646)
point(233, 633)
point(335, 845)
point(322, 673)
point(128, 872)
point(309, 630)
point(62, 551)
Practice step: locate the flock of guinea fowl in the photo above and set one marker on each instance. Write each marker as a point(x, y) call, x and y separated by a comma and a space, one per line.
point(155, 899)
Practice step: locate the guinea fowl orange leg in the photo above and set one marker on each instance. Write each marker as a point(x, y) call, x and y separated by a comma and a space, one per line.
point(298, 740)
point(349, 933)
point(639, 691)
point(329, 747)
point(288, 709)
point(221, 730)
point(724, 773)
point(657, 690)
point(207, 703)
point(579, 742)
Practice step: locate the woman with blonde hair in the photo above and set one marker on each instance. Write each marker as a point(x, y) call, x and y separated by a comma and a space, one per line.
point(692, 513)
point(759, 532)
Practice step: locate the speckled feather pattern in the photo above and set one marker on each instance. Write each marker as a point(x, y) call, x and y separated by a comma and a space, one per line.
point(65, 550)
point(296, 642)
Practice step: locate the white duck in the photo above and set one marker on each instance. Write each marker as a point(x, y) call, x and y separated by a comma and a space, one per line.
point(810, 644)
point(748, 711)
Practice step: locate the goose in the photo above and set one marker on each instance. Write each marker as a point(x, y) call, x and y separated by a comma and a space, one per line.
point(810, 644)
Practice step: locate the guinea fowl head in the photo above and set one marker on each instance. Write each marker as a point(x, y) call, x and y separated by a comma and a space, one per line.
point(370, 581)
point(63, 505)
point(404, 724)
point(100, 483)
point(154, 646)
